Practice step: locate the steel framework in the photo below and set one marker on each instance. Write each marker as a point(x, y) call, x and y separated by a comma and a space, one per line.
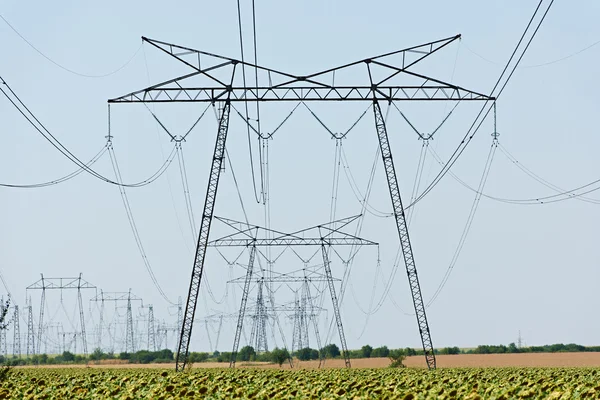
point(16, 333)
point(324, 235)
point(213, 79)
point(30, 332)
point(78, 284)
point(121, 297)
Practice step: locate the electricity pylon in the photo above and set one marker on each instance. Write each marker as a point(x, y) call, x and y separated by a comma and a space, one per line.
point(323, 236)
point(387, 77)
point(117, 298)
point(62, 284)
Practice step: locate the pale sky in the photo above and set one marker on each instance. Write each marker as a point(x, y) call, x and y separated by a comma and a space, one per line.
point(527, 268)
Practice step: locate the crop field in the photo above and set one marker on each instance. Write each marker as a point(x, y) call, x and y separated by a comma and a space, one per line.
point(384, 383)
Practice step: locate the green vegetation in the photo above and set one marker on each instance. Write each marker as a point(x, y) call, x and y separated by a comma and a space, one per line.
point(403, 383)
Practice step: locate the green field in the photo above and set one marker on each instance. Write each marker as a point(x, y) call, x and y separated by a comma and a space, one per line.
point(499, 383)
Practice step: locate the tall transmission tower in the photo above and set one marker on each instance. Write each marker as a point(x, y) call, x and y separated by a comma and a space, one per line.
point(16, 333)
point(129, 341)
point(61, 284)
point(151, 329)
point(215, 78)
point(30, 332)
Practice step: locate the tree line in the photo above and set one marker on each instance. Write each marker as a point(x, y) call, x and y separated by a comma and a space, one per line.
point(280, 356)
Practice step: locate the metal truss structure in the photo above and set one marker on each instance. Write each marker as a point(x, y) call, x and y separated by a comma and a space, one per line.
point(16, 333)
point(119, 297)
point(30, 331)
point(253, 236)
point(61, 284)
point(388, 77)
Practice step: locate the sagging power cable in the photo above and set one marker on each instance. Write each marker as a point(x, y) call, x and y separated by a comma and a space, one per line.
point(58, 180)
point(62, 66)
point(468, 224)
point(132, 222)
point(40, 128)
point(483, 113)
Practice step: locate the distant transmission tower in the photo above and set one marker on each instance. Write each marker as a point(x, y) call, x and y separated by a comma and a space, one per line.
point(129, 342)
point(151, 329)
point(16, 334)
point(385, 78)
point(119, 298)
point(61, 284)
point(30, 333)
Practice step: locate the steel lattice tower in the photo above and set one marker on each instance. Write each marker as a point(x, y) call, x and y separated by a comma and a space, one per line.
point(252, 236)
point(129, 341)
point(383, 74)
point(30, 333)
point(117, 298)
point(78, 284)
point(16, 334)
point(151, 331)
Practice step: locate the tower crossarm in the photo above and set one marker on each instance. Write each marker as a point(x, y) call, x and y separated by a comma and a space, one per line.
point(60, 283)
point(230, 242)
point(203, 83)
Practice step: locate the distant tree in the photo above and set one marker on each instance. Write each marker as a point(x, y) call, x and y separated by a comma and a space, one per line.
point(450, 350)
point(67, 356)
point(331, 351)
point(97, 354)
point(382, 351)
point(397, 358)
point(224, 357)
point(4, 322)
point(124, 356)
point(307, 353)
point(410, 351)
point(366, 351)
point(247, 353)
point(197, 357)
point(279, 356)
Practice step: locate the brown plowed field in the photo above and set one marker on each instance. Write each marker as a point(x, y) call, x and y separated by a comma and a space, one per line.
point(443, 361)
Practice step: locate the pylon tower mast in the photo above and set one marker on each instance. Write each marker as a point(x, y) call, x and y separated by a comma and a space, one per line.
point(119, 298)
point(214, 78)
point(78, 284)
point(324, 235)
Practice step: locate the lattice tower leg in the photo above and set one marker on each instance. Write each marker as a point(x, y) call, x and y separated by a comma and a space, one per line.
point(208, 335)
point(151, 332)
point(315, 322)
point(16, 334)
point(296, 327)
point(219, 333)
point(336, 308)
point(240, 323)
point(411, 269)
point(100, 324)
point(207, 214)
point(129, 344)
point(262, 344)
point(82, 322)
point(30, 333)
point(41, 323)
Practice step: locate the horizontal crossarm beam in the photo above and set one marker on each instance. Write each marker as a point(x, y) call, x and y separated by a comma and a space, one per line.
point(290, 242)
point(437, 92)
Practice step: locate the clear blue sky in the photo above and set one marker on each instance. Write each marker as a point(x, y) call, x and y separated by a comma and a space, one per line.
point(523, 268)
